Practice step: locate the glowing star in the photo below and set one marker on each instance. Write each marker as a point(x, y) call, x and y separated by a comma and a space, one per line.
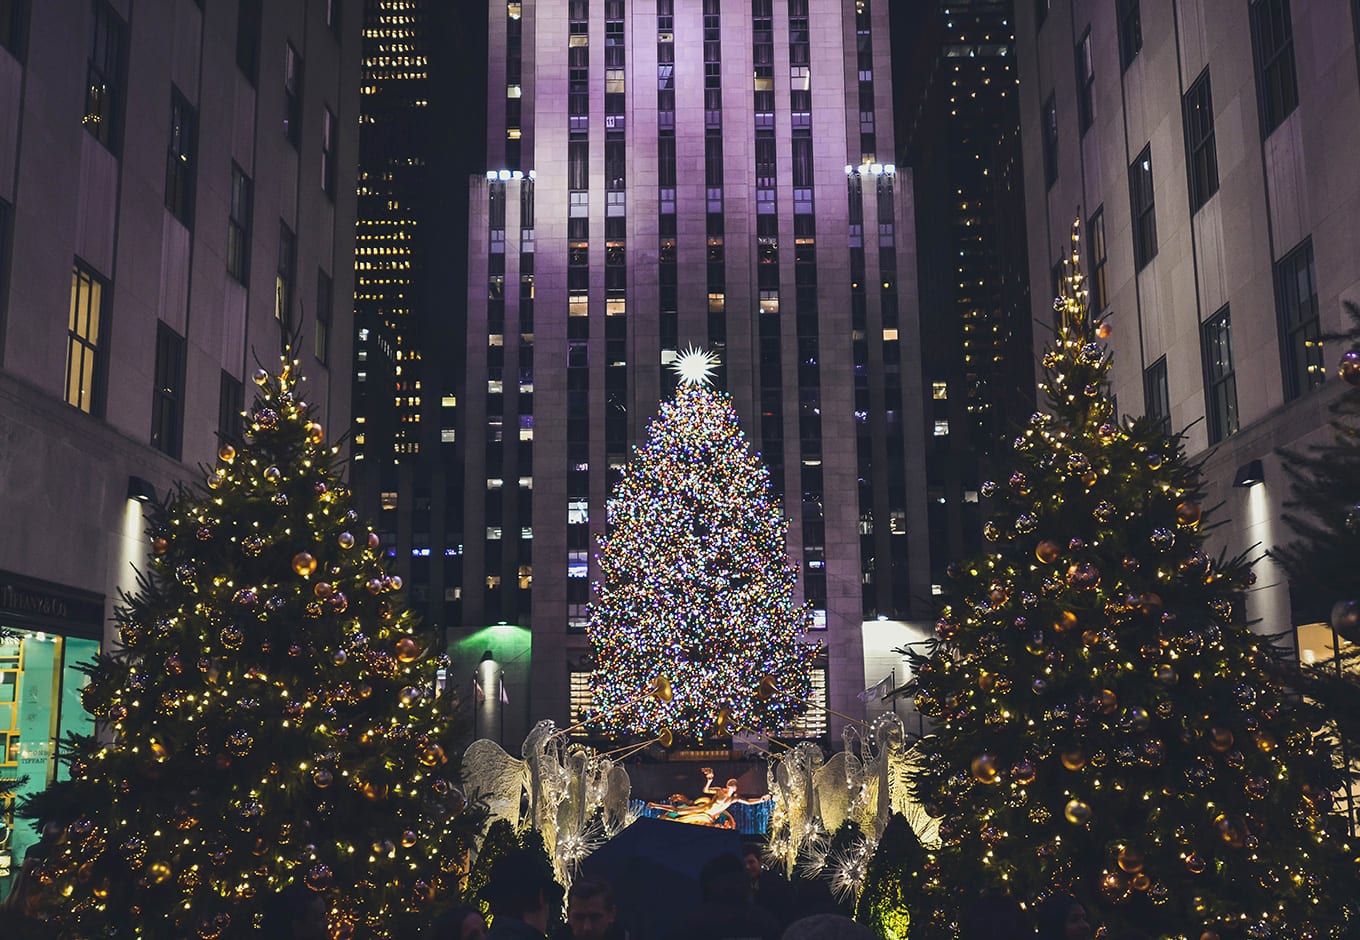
point(696, 366)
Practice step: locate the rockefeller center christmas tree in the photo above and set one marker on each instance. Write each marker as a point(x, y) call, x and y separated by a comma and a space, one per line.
point(696, 583)
point(1105, 722)
point(270, 717)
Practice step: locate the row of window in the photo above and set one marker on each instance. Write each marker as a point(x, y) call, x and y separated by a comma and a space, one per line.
point(87, 350)
point(1297, 306)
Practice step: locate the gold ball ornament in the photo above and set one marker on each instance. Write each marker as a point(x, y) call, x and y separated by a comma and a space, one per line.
point(260, 377)
point(160, 545)
point(315, 433)
point(319, 877)
point(158, 873)
point(1103, 330)
point(408, 838)
point(432, 755)
point(408, 650)
point(1066, 621)
point(373, 791)
point(985, 770)
point(1077, 813)
point(1073, 758)
point(345, 540)
point(1188, 513)
point(1130, 859)
point(272, 474)
point(1047, 551)
point(304, 564)
point(226, 453)
point(374, 541)
point(1349, 367)
point(1221, 739)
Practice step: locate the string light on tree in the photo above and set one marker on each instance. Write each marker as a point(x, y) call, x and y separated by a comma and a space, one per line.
point(1106, 724)
point(272, 717)
point(696, 582)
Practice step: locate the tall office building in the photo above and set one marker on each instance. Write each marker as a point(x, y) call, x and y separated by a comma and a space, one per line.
point(1212, 158)
point(423, 75)
point(176, 195)
point(960, 122)
point(661, 174)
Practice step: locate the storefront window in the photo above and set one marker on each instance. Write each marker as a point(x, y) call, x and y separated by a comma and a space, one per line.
point(39, 705)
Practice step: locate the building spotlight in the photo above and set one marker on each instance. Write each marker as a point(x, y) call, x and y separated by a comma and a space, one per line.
point(140, 490)
point(1249, 474)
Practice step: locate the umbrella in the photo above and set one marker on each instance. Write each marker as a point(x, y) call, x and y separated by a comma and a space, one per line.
point(654, 867)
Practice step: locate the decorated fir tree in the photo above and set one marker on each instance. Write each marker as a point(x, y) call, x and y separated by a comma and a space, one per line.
point(1105, 722)
point(270, 717)
point(1323, 561)
point(696, 583)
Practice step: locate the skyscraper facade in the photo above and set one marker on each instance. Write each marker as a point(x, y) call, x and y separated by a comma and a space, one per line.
point(663, 174)
point(1212, 160)
point(960, 122)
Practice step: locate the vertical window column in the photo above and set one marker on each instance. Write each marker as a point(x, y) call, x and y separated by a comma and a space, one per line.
point(769, 330)
point(806, 314)
point(713, 180)
point(578, 317)
point(616, 249)
point(667, 274)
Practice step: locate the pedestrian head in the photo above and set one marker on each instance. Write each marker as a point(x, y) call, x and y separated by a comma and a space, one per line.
point(590, 908)
point(521, 887)
point(827, 927)
point(723, 879)
point(458, 923)
point(295, 913)
point(1062, 917)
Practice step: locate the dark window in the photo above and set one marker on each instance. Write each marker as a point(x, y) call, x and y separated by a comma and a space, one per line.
point(1130, 31)
point(1355, 18)
point(1086, 80)
point(13, 24)
point(292, 94)
point(248, 16)
point(333, 14)
point(1220, 385)
point(1095, 251)
point(181, 159)
point(1156, 396)
point(330, 132)
point(1297, 303)
point(578, 165)
point(85, 346)
point(1040, 12)
point(1272, 41)
point(230, 405)
point(238, 225)
point(104, 76)
point(1050, 119)
point(167, 401)
point(283, 277)
point(1143, 209)
point(1201, 155)
point(324, 301)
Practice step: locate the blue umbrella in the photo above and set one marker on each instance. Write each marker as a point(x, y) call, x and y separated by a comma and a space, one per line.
point(654, 868)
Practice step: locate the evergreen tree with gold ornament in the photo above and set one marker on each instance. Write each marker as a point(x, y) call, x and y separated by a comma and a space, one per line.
point(1105, 723)
point(696, 598)
point(1323, 560)
point(270, 717)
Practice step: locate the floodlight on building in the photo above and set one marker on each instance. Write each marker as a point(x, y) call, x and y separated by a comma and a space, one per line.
point(1249, 474)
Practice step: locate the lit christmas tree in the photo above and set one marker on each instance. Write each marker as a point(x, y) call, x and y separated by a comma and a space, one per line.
point(697, 587)
point(1324, 513)
point(1106, 724)
point(271, 717)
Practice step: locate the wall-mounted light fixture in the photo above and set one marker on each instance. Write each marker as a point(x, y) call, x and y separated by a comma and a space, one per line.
point(1249, 474)
point(140, 490)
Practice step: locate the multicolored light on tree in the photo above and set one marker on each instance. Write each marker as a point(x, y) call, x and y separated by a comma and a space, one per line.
point(696, 585)
point(271, 717)
point(1105, 721)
